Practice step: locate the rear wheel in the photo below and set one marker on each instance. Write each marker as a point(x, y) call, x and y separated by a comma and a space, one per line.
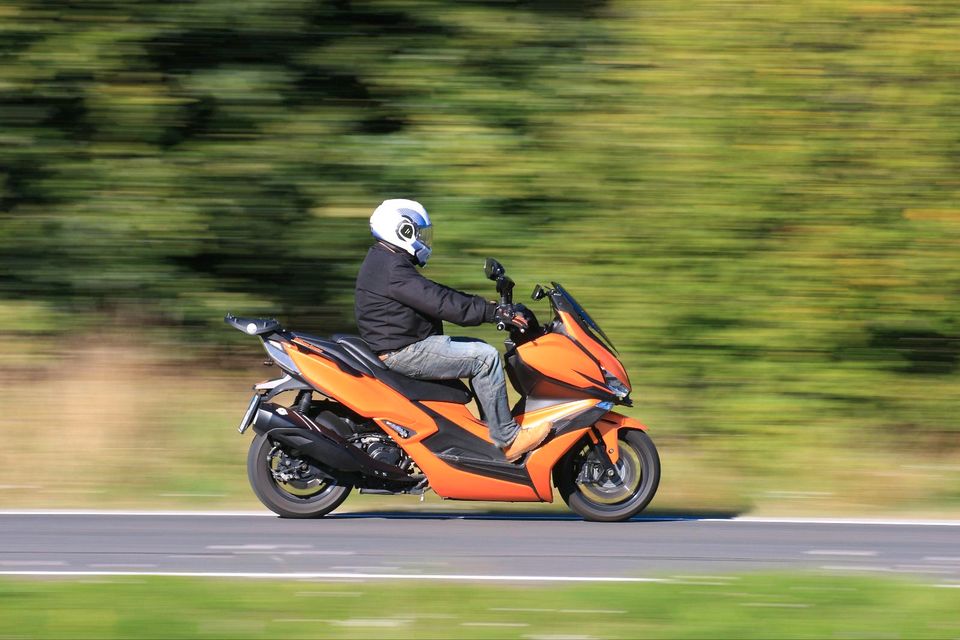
point(289, 486)
point(595, 495)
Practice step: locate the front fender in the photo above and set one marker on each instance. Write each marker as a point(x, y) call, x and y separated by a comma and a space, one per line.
point(609, 427)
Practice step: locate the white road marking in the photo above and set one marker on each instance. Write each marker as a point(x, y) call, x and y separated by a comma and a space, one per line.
point(300, 552)
point(324, 575)
point(855, 521)
point(255, 547)
point(839, 552)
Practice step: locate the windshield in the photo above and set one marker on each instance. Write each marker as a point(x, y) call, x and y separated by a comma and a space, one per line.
point(583, 315)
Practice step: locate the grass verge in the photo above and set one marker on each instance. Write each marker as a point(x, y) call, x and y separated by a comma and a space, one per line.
point(755, 606)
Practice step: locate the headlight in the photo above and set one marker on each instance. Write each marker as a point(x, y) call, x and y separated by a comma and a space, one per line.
point(615, 385)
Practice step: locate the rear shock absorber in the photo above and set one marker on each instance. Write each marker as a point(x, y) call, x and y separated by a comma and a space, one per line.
point(303, 401)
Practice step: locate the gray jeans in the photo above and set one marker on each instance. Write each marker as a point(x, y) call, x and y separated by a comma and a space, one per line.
point(446, 358)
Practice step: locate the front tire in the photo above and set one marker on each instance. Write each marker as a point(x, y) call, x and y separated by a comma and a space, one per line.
point(604, 500)
point(308, 499)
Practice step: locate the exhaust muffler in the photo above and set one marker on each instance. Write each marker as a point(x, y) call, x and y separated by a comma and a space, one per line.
point(320, 442)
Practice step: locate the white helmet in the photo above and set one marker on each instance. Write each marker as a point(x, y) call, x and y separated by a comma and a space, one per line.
point(405, 225)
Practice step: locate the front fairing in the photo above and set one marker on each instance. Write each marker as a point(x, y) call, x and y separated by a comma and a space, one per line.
point(580, 327)
point(565, 359)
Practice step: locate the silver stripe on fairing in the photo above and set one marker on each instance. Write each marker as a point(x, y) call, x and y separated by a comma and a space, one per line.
point(275, 351)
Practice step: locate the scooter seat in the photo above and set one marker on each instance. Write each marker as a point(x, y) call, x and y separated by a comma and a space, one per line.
point(413, 388)
point(358, 348)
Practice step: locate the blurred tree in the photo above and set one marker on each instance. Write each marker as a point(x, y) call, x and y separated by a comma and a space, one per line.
point(759, 199)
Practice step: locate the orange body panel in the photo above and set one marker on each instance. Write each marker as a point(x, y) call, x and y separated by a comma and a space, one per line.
point(460, 414)
point(370, 397)
point(607, 359)
point(609, 427)
point(555, 356)
point(541, 461)
point(365, 395)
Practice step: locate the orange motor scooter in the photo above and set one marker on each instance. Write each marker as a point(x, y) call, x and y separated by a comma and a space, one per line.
point(356, 424)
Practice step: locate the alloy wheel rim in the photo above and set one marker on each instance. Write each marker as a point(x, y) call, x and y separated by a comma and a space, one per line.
point(296, 488)
point(611, 492)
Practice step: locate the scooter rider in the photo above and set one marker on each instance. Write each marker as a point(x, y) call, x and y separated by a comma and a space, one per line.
point(400, 313)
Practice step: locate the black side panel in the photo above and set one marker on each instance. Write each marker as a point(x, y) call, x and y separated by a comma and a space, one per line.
point(434, 390)
point(453, 439)
point(462, 450)
point(499, 470)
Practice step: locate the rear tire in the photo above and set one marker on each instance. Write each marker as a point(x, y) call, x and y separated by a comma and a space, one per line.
point(609, 501)
point(288, 500)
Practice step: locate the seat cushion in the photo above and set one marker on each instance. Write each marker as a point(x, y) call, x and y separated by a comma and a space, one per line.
point(435, 390)
point(359, 349)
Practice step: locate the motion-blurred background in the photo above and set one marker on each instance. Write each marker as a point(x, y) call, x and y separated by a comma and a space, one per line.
point(758, 201)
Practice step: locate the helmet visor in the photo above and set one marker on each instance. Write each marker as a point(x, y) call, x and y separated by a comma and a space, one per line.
point(425, 235)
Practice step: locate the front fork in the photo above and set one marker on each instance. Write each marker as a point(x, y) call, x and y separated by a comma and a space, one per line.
point(605, 436)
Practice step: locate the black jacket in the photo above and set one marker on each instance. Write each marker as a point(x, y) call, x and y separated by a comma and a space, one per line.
point(396, 306)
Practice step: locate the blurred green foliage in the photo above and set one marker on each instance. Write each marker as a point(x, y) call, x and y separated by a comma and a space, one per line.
point(759, 201)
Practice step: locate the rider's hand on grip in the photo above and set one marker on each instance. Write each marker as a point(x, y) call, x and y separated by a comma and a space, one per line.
point(508, 314)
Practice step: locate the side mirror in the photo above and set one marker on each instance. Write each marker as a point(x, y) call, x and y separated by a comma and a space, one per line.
point(493, 269)
point(538, 293)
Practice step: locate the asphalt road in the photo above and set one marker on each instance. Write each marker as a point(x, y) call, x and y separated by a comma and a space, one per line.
point(464, 547)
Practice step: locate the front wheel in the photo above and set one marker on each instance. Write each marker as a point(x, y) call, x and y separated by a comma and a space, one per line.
point(289, 486)
point(591, 493)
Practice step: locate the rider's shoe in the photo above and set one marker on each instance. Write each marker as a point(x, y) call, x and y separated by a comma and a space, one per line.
point(528, 438)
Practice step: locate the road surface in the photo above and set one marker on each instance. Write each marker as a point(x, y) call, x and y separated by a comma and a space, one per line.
point(443, 546)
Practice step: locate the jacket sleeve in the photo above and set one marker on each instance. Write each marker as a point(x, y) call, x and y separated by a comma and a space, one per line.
point(435, 300)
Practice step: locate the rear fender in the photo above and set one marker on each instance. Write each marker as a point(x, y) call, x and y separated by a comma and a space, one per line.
point(609, 427)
